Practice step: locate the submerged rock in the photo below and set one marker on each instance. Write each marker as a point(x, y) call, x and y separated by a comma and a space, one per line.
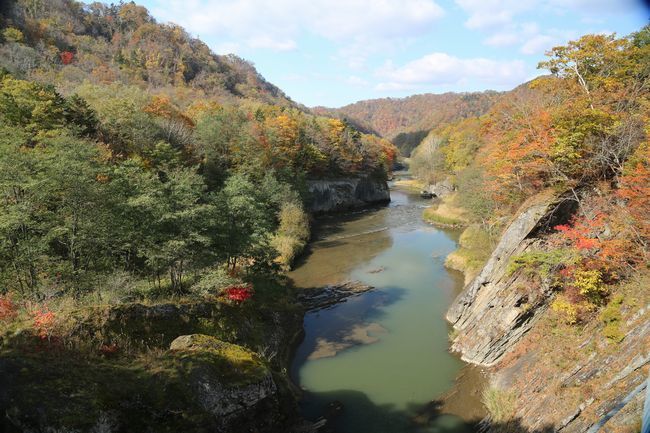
point(323, 297)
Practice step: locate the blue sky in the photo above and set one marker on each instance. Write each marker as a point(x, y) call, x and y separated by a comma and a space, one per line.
point(335, 52)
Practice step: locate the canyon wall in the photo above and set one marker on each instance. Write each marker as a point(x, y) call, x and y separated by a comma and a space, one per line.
point(339, 195)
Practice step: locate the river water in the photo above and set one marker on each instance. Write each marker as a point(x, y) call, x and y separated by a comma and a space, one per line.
point(382, 356)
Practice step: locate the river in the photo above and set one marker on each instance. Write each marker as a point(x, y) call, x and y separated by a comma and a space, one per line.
point(382, 357)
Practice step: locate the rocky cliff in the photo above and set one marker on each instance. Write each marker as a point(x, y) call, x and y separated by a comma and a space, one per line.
point(496, 308)
point(338, 195)
point(550, 376)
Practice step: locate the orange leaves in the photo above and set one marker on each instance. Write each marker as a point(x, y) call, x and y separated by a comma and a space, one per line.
point(161, 106)
point(583, 233)
point(516, 154)
point(44, 322)
point(635, 189)
point(8, 310)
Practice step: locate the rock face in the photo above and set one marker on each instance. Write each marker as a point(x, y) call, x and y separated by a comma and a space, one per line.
point(346, 194)
point(442, 188)
point(229, 381)
point(579, 381)
point(495, 309)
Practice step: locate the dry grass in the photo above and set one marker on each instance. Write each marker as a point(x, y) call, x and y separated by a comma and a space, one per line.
point(446, 214)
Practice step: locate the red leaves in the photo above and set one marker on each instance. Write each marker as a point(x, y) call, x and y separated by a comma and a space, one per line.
point(8, 309)
point(240, 293)
point(583, 234)
point(66, 57)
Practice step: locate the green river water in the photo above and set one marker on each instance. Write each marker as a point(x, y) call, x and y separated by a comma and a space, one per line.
point(384, 354)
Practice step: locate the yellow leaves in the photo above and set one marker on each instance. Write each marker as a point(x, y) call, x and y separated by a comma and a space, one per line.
point(336, 129)
point(285, 129)
point(200, 108)
point(566, 309)
point(590, 284)
point(161, 106)
point(12, 34)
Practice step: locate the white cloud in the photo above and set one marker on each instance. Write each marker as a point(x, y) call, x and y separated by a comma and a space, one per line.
point(492, 14)
point(442, 69)
point(356, 81)
point(537, 44)
point(502, 39)
point(277, 24)
point(500, 21)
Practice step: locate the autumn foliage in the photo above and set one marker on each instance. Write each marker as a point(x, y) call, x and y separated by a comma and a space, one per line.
point(8, 309)
point(66, 57)
point(43, 323)
point(239, 293)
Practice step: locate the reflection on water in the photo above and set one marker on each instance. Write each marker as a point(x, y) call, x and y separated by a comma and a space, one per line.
point(383, 354)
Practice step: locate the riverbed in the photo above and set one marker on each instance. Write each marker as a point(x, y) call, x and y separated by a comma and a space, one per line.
point(379, 362)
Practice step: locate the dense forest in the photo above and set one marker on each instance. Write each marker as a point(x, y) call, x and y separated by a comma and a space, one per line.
point(581, 131)
point(130, 152)
point(406, 121)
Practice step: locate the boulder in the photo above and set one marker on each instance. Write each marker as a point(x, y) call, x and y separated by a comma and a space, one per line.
point(228, 380)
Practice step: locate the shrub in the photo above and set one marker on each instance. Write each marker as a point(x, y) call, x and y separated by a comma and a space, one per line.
point(540, 262)
point(44, 322)
point(472, 196)
point(66, 57)
point(8, 310)
point(567, 309)
point(611, 318)
point(12, 34)
point(213, 280)
point(590, 284)
point(292, 234)
point(499, 404)
point(239, 293)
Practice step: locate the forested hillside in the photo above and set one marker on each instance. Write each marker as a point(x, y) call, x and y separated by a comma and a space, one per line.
point(138, 167)
point(66, 43)
point(406, 121)
point(565, 162)
point(158, 129)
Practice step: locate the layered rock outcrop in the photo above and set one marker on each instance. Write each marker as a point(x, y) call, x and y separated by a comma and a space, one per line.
point(496, 308)
point(557, 377)
point(339, 195)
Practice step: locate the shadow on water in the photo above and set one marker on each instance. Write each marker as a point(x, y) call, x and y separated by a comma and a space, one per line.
point(369, 417)
point(351, 324)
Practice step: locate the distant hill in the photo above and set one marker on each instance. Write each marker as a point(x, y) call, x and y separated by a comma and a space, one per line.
point(67, 42)
point(405, 121)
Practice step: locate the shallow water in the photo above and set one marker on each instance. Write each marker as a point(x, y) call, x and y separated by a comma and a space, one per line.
point(384, 354)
